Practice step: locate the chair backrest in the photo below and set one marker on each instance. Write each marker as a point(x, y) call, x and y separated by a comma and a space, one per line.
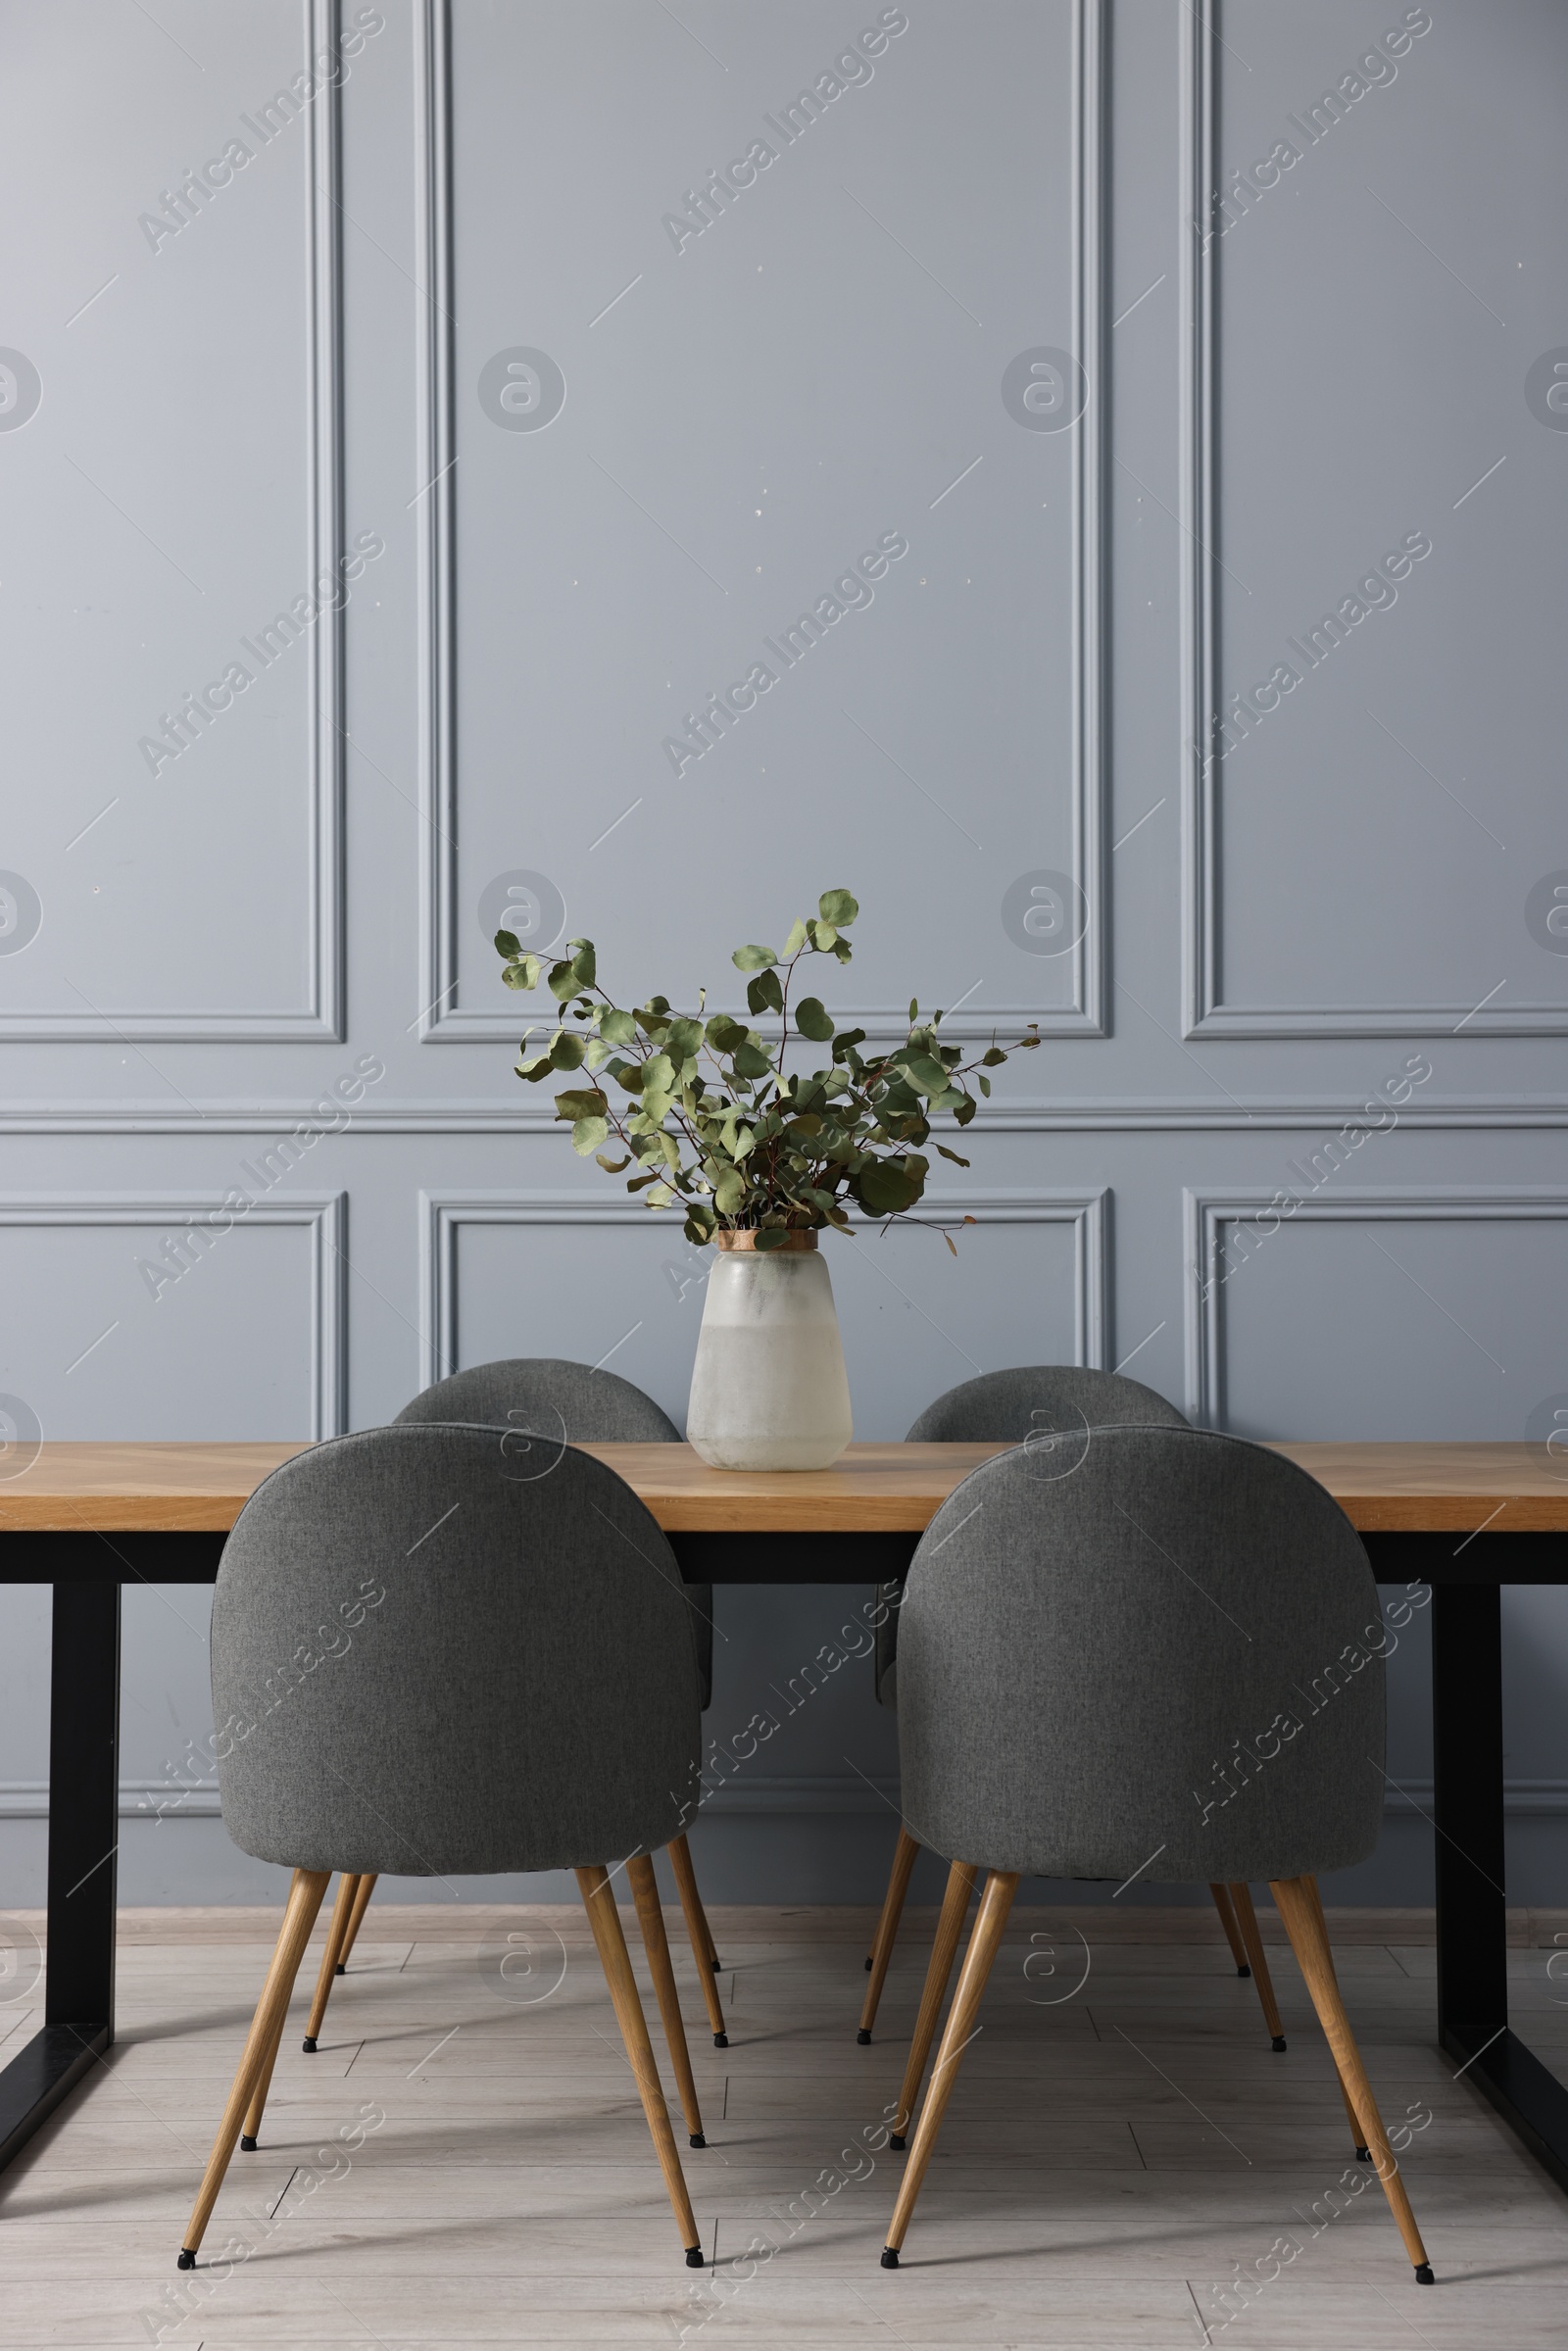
point(547, 1397)
point(1167, 1662)
point(1030, 1400)
point(545, 1400)
point(1026, 1403)
point(429, 1662)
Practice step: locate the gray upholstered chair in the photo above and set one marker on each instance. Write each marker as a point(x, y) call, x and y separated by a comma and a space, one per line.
point(1048, 1406)
point(1167, 1666)
point(425, 1663)
point(540, 1403)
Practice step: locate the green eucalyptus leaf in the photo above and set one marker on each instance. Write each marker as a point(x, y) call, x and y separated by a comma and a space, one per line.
point(611, 1166)
point(952, 1156)
point(584, 962)
point(824, 936)
point(752, 1062)
point(773, 1237)
point(796, 940)
point(568, 1050)
point(582, 1102)
point(729, 1193)
point(684, 1040)
point(658, 1074)
point(764, 993)
point(837, 907)
point(617, 1026)
point(724, 1033)
point(587, 1134)
point(814, 1020)
point(752, 958)
point(508, 944)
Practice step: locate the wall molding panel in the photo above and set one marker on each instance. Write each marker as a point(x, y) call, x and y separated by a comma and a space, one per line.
point(440, 1020)
point(322, 1018)
point(1205, 1214)
point(1206, 1012)
point(324, 1217)
point(444, 1213)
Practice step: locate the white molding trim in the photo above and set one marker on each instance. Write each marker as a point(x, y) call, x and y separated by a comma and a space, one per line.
point(1204, 1012)
point(1112, 1113)
point(439, 1021)
point(742, 1793)
point(322, 1019)
point(443, 1213)
point(322, 1215)
point(1204, 1212)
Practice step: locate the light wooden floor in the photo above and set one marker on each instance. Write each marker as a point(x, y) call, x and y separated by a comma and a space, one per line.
point(459, 2164)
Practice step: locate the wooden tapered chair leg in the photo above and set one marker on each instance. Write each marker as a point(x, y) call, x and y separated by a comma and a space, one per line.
point(1363, 2153)
point(887, 1928)
point(994, 1904)
point(605, 1920)
point(1296, 1899)
point(361, 1903)
point(1253, 1943)
point(303, 1901)
point(697, 1912)
point(264, 2083)
point(950, 1929)
point(337, 1934)
point(702, 1942)
point(651, 1919)
point(1233, 1933)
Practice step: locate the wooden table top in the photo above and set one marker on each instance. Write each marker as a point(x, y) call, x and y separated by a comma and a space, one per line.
point(128, 1487)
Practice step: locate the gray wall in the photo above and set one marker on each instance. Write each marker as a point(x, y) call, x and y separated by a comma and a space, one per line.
point(1273, 909)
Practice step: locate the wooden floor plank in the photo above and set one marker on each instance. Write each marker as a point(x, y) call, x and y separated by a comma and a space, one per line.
point(455, 2168)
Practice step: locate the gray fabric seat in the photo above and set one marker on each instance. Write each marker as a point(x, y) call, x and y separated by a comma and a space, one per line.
point(1166, 1665)
point(548, 1400)
point(1046, 1405)
point(1079, 1660)
point(507, 1679)
point(425, 1663)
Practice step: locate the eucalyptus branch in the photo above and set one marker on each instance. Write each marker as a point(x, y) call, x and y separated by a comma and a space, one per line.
point(763, 1152)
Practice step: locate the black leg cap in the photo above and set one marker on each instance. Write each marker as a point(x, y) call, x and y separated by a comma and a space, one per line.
point(247, 2145)
point(186, 2261)
point(694, 2257)
point(310, 2046)
point(890, 2260)
point(862, 2039)
point(868, 1967)
point(1423, 2275)
point(340, 1968)
point(1363, 2155)
point(897, 2141)
point(1241, 1971)
point(1278, 2044)
point(697, 2140)
point(714, 1963)
point(721, 2041)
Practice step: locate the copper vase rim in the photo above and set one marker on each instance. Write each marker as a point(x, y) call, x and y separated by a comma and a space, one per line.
point(744, 1243)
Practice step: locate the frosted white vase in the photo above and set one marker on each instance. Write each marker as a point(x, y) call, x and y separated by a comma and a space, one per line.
point(768, 1387)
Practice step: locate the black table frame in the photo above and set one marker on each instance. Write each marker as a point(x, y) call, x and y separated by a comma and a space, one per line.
point(88, 1572)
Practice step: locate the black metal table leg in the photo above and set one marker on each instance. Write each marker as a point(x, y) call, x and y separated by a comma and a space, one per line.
point(1472, 1909)
point(84, 1847)
point(1467, 1803)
